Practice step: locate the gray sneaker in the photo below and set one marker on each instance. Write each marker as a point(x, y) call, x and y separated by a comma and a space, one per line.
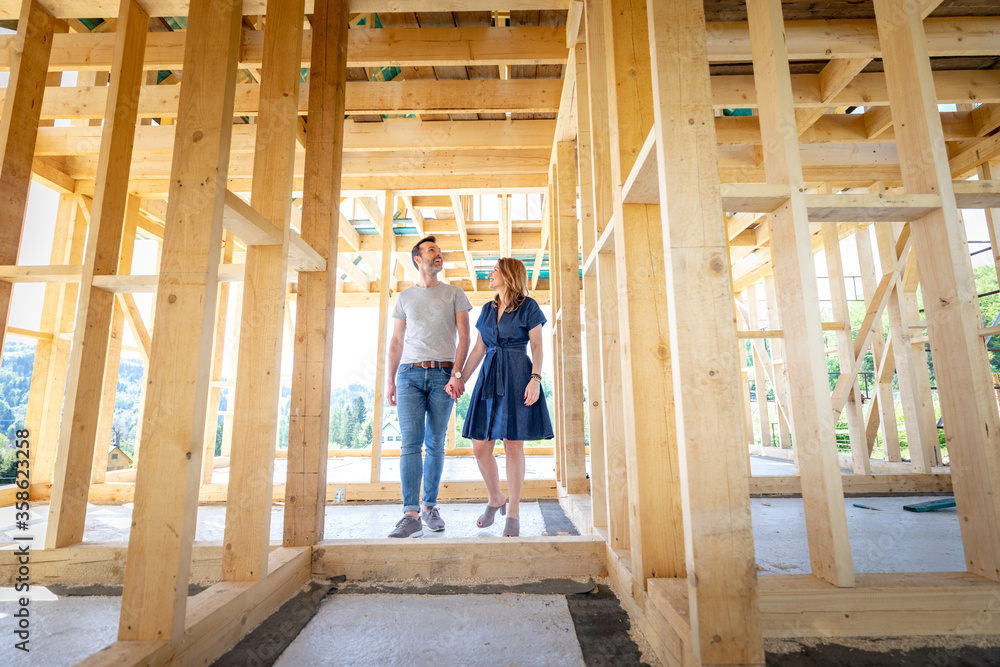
point(433, 519)
point(408, 526)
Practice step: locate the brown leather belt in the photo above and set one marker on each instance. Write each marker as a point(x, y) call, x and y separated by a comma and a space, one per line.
point(433, 364)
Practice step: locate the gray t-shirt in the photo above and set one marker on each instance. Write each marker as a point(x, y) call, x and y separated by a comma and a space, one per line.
point(429, 313)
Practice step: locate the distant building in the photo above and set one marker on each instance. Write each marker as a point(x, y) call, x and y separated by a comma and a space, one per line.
point(117, 459)
point(391, 436)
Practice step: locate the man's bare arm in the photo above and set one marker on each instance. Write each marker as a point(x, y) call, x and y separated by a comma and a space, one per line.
point(395, 353)
point(461, 351)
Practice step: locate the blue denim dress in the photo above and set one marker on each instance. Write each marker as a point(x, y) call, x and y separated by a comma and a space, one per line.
point(496, 408)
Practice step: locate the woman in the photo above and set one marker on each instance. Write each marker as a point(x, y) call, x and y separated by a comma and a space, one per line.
point(507, 403)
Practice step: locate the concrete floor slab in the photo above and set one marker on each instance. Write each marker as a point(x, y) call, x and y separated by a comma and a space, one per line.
point(385, 630)
point(63, 631)
point(888, 539)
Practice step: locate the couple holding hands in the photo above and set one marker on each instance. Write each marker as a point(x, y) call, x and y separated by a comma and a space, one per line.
point(429, 363)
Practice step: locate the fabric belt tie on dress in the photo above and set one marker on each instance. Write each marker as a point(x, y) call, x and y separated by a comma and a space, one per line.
point(433, 364)
point(495, 368)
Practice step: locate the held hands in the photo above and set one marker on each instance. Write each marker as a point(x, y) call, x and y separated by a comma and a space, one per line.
point(455, 388)
point(531, 391)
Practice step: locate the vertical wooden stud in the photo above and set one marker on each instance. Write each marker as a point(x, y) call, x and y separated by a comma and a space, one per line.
point(616, 469)
point(255, 408)
point(965, 388)
point(654, 489)
point(18, 128)
point(154, 598)
point(95, 310)
point(309, 422)
point(388, 245)
point(715, 494)
point(809, 391)
point(571, 354)
point(845, 350)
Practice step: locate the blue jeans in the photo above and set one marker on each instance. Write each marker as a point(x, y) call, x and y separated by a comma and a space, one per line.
point(424, 409)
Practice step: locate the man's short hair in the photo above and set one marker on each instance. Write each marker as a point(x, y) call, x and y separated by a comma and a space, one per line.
point(416, 249)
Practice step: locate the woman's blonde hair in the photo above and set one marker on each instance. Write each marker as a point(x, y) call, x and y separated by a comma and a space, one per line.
point(515, 277)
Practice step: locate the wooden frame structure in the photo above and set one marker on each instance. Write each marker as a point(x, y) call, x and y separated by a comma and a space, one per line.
point(662, 217)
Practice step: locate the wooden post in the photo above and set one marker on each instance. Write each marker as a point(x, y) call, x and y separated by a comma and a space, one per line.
point(450, 436)
point(95, 310)
point(109, 390)
point(911, 366)
point(759, 375)
point(745, 389)
point(18, 128)
point(778, 364)
point(571, 357)
point(965, 387)
point(555, 276)
point(985, 172)
point(388, 245)
point(616, 469)
point(218, 352)
point(592, 337)
point(718, 538)
point(154, 598)
point(234, 362)
point(883, 409)
point(309, 423)
point(654, 491)
point(48, 376)
point(255, 410)
point(845, 350)
point(809, 391)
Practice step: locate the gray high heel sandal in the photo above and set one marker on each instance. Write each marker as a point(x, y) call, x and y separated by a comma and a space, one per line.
point(486, 519)
point(513, 528)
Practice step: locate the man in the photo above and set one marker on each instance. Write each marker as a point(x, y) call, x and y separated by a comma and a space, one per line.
point(429, 316)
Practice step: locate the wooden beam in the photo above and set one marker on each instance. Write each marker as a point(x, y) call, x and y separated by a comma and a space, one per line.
point(718, 538)
point(95, 315)
point(894, 605)
point(30, 49)
point(415, 215)
point(255, 409)
point(833, 78)
point(363, 97)
point(727, 41)
point(968, 403)
point(219, 616)
point(412, 47)
point(154, 599)
point(654, 490)
point(445, 559)
point(309, 420)
point(813, 426)
point(463, 235)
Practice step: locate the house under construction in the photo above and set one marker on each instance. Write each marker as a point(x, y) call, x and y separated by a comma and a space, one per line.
point(685, 159)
